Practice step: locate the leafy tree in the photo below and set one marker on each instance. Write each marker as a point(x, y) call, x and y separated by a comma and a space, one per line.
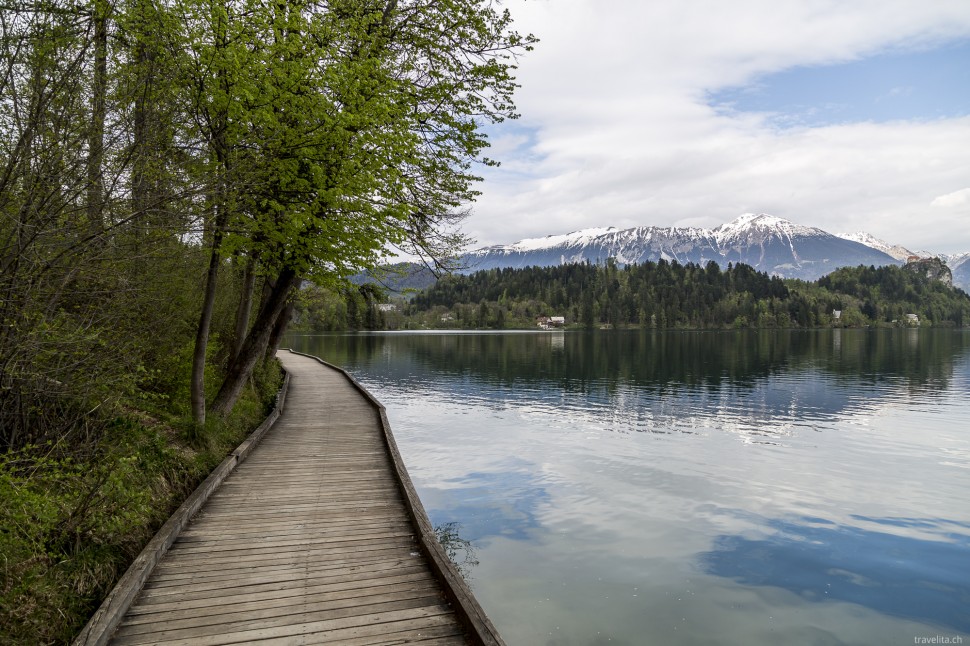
point(385, 155)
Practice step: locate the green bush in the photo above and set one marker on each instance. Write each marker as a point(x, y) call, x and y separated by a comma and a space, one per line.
point(71, 524)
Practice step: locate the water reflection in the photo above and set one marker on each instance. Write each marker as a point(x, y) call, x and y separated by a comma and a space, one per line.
point(761, 387)
point(585, 362)
point(922, 578)
point(513, 515)
point(459, 549)
point(695, 364)
point(804, 487)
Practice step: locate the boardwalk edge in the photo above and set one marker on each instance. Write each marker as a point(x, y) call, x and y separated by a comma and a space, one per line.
point(460, 596)
point(105, 620)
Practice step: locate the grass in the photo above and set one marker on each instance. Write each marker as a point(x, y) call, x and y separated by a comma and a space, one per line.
point(72, 521)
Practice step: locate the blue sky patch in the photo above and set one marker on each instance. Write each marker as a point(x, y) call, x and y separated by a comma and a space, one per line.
point(897, 85)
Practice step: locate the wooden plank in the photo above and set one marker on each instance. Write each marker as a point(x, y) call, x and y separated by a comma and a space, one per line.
point(277, 573)
point(297, 526)
point(322, 514)
point(362, 520)
point(188, 552)
point(284, 604)
point(296, 479)
point(279, 580)
point(274, 533)
point(383, 486)
point(444, 635)
point(290, 615)
point(289, 559)
point(188, 599)
point(336, 501)
point(394, 620)
point(324, 510)
point(309, 541)
point(426, 636)
point(298, 555)
point(217, 547)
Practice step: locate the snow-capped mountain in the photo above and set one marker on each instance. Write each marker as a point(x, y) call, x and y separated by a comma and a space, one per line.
point(896, 251)
point(596, 245)
point(959, 264)
point(768, 243)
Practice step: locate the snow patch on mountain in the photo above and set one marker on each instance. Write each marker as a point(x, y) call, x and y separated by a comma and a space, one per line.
point(896, 251)
point(754, 224)
point(955, 260)
point(766, 242)
point(959, 264)
point(576, 238)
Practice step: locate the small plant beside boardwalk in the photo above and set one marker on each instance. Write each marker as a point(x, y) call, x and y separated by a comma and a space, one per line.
point(72, 518)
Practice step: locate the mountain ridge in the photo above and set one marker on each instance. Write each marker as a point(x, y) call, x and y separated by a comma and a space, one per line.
point(768, 243)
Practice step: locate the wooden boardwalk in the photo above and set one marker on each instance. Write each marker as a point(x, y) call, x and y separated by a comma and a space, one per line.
point(311, 540)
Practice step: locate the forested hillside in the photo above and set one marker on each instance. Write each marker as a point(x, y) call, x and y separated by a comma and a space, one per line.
point(170, 175)
point(662, 295)
point(671, 295)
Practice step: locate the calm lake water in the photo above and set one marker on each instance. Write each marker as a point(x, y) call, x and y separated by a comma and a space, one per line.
point(691, 487)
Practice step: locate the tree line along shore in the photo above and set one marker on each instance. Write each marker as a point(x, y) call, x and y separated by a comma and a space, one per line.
point(655, 295)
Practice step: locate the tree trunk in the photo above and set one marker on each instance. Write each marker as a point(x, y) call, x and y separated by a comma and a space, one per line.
point(205, 323)
point(143, 113)
point(268, 284)
point(244, 309)
point(278, 331)
point(99, 85)
point(255, 345)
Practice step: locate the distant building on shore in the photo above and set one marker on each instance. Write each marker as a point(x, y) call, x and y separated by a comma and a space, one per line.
point(550, 322)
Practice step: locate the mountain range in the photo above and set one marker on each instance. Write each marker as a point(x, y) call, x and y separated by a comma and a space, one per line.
point(767, 243)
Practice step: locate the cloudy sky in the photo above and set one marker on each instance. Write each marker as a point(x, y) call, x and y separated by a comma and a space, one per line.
point(848, 115)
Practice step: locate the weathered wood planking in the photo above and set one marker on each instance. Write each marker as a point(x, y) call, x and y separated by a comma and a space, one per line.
point(317, 538)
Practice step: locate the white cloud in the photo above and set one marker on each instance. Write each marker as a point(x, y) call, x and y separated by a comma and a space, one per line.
point(953, 200)
point(620, 134)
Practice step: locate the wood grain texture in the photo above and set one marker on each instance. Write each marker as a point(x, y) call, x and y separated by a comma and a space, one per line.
point(109, 615)
point(311, 540)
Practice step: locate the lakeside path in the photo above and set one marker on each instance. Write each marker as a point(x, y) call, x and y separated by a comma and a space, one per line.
point(317, 537)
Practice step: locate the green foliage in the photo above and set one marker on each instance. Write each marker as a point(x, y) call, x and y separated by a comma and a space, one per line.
point(887, 294)
point(347, 307)
point(663, 294)
point(333, 129)
point(71, 527)
point(670, 295)
point(72, 523)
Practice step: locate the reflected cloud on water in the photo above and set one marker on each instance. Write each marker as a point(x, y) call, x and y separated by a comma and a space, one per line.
point(496, 504)
point(924, 575)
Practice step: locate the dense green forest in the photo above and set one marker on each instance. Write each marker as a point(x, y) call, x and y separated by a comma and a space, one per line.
point(170, 175)
point(658, 295)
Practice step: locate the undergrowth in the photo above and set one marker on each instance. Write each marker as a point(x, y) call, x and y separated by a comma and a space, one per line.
point(72, 521)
